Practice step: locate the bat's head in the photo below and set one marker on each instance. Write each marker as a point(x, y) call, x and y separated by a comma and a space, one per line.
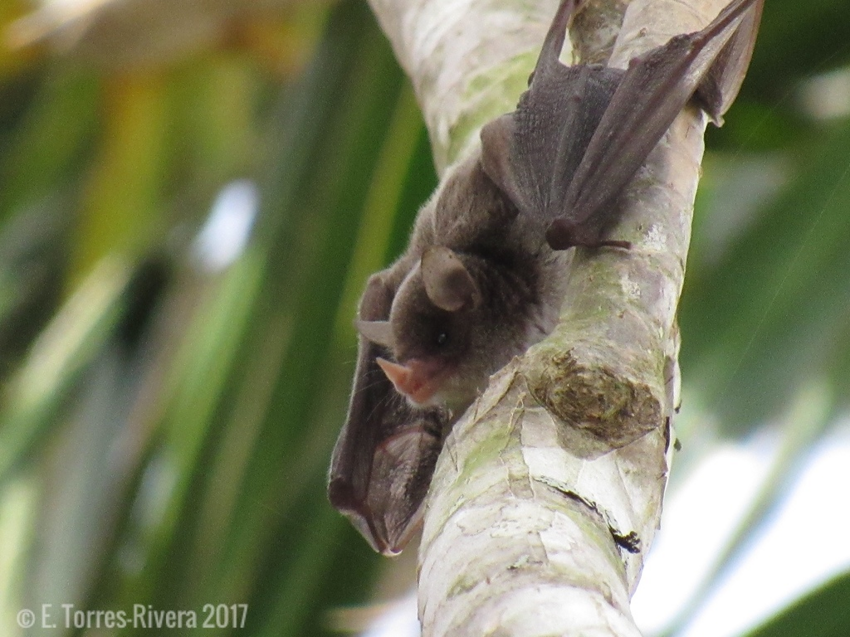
point(448, 330)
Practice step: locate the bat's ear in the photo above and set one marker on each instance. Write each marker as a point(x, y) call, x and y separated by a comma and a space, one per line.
point(379, 332)
point(448, 283)
point(496, 140)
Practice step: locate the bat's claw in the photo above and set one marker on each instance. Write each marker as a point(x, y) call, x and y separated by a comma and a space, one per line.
point(625, 245)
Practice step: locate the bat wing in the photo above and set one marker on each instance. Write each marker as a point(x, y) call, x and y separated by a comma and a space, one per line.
point(579, 134)
point(386, 452)
point(532, 153)
point(652, 92)
point(721, 84)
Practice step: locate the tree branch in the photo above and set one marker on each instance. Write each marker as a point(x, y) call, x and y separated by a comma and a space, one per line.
point(548, 492)
point(468, 61)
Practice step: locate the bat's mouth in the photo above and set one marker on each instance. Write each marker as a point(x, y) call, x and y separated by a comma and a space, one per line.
point(419, 379)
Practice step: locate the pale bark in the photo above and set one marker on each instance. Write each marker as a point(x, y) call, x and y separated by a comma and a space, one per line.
point(548, 492)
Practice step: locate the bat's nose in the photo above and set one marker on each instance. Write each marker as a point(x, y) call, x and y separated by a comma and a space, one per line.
point(417, 380)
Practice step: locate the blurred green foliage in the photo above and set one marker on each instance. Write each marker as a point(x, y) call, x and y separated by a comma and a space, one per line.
point(166, 424)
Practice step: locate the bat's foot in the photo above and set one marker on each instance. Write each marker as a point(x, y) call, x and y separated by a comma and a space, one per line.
point(563, 234)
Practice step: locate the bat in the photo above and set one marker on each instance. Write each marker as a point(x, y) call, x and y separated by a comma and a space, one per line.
point(482, 277)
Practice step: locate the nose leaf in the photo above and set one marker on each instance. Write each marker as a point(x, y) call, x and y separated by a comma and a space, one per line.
point(399, 375)
point(417, 381)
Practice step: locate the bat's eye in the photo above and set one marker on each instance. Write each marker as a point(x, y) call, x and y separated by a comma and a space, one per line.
point(442, 339)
